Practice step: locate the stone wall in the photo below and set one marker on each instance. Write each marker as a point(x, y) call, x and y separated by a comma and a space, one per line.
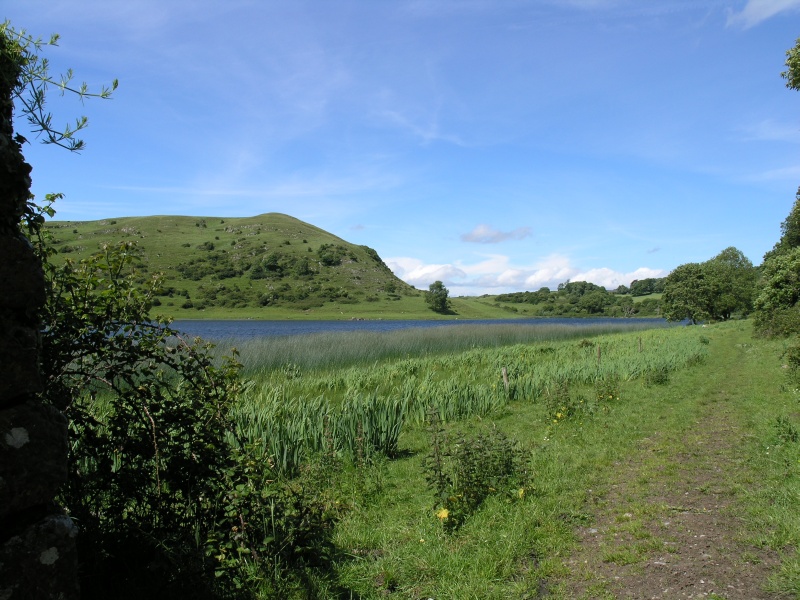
point(37, 540)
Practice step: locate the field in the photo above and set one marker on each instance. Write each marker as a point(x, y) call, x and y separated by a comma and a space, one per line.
point(657, 464)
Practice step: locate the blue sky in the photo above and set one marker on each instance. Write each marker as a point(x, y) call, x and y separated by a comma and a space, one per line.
point(496, 145)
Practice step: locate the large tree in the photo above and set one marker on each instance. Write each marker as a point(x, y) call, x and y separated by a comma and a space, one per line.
point(686, 294)
point(733, 280)
point(715, 289)
point(777, 310)
point(437, 297)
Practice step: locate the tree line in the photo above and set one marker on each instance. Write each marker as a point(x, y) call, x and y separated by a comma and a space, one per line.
point(581, 298)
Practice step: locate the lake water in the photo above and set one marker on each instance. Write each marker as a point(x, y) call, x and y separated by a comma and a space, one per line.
point(221, 330)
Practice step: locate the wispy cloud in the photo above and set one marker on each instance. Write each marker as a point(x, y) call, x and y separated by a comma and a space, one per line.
point(769, 130)
point(485, 234)
point(427, 132)
point(781, 174)
point(756, 11)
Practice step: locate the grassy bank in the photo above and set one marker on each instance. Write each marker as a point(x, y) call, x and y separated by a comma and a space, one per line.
point(575, 410)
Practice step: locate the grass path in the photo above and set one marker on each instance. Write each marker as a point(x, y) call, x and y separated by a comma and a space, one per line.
point(672, 522)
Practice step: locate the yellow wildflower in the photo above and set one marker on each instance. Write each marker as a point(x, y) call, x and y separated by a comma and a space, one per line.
point(443, 513)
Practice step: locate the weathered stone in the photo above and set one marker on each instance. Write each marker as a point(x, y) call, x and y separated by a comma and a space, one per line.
point(19, 355)
point(33, 455)
point(21, 275)
point(40, 562)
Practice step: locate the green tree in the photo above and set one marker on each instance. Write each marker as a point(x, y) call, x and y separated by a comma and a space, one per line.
point(437, 297)
point(776, 307)
point(595, 301)
point(790, 231)
point(792, 72)
point(733, 280)
point(687, 294)
point(715, 289)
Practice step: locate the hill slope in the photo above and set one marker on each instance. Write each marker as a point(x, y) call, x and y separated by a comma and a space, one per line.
point(261, 263)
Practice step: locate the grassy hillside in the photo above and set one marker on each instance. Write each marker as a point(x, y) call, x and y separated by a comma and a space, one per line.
point(274, 266)
point(268, 266)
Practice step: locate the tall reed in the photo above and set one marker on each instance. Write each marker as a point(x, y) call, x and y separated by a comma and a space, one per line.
point(363, 409)
point(339, 349)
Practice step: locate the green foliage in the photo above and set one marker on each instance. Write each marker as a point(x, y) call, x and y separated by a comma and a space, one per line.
point(792, 72)
point(657, 376)
point(607, 388)
point(464, 471)
point(790, 232)
point(35, 81)
point(734, 283)
point(776, 309)
point(715, 289)
point(650, 285)
point(580, 298)
point(780, 282)
point(686, 294)
point(785, 430)
point(170, 500)
point(331, 255)
point(437, 297)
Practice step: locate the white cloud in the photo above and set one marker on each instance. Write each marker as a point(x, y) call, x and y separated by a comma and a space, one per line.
point(756, 11)
point(418, 274)
point(484, 234)
point(496, 275)
point(610, 279)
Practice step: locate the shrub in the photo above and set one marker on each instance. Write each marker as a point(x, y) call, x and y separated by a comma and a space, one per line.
point(465, 471)
point(169, 502)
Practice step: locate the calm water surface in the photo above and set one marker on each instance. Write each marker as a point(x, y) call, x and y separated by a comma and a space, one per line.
point(222, 330)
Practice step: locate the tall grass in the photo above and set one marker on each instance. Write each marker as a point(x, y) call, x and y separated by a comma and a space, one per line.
point(292, 413)
point(334, 350)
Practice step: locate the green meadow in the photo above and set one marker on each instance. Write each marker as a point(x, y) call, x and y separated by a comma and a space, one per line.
point(470, 472)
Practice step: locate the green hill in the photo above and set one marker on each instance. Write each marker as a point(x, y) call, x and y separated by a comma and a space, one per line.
point(268, 266)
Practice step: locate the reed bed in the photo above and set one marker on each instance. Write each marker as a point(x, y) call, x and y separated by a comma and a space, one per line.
point(341, 349)
point(291, 413)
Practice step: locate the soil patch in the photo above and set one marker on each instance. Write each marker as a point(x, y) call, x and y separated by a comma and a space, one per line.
point(668, 528)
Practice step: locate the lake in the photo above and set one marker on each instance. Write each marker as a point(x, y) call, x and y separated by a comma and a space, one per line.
point(249, 329)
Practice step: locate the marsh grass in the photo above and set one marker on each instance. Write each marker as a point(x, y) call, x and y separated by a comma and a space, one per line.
point(335, 350)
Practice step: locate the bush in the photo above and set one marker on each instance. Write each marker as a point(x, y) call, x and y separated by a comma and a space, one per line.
point(169, 501)
point(464, 472)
